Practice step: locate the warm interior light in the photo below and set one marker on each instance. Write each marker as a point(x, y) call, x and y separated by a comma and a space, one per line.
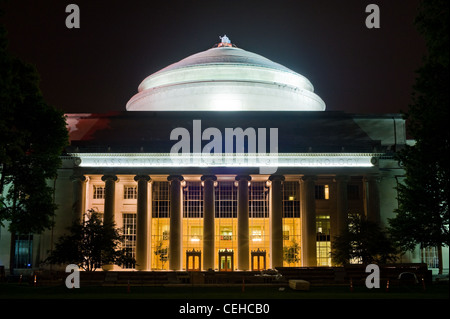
point(327, 192)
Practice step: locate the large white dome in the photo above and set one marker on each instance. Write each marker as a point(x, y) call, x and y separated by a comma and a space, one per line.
point(225, 78)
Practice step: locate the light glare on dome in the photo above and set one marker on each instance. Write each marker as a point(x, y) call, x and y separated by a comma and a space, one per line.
point(226, 102)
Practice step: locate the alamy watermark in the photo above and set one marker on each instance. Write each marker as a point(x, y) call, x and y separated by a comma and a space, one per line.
point(229, 149)
point(73, 19)
point(373, 19)
point(373, 280)
point(73, 279)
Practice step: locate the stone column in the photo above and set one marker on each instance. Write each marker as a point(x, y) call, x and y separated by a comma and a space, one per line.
point(276, 220)
point(110, 189)
point(308, 217)
point(79, 187)
point(176, 207)
point(142, 222)
point(341, 222)
point(208, 221)
point(372, 198)
point(243, 222)
point(109, 209)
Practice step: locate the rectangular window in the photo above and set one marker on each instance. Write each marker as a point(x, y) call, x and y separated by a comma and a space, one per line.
point(99, 192)
point(323, 243)
point(160, 199)
point(130, 192)
point(322, 192)
point(196, 233)
point(291, 199)
point(226, 233)
point(23, 251)
point(258, 200)
point(226, 200)
point(256, 234)
point(430, 256)
point(193, 200)
point(129, 232)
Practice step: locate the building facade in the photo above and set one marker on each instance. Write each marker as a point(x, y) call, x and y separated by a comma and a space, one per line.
point(226, 161)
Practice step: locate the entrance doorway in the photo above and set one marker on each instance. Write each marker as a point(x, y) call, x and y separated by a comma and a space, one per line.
point(193, 260)
point(258, 260)
point(226, 260)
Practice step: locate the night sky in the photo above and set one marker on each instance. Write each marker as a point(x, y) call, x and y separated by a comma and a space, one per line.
point(98, 67)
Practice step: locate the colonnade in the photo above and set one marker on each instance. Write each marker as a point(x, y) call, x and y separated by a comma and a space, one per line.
point(308, 216)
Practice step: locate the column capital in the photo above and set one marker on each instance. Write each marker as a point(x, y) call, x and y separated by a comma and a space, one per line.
point(80, 178)
point(175, 178)
point(276, 178)
point(209, 177)
point(308, 178)
point(243, 177)
point(138, 178)
point(109, 177)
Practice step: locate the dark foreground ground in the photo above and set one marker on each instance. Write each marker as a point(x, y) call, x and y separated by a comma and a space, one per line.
point(28, 291)
point(189, 301)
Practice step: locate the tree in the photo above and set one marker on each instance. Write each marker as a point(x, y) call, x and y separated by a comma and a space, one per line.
point(291, 253)
point(91, 244)
point(162, 253)
point(422, 217)
point(33, 135)
point(363, 241)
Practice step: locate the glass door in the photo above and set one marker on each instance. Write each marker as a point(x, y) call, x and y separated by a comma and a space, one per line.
point(226, 260)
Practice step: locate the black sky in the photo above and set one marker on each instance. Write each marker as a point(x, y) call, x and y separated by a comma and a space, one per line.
point(98, 67)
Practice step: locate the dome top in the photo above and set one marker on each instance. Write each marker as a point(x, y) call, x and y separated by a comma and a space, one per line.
point(226, 55)
point(225, 78)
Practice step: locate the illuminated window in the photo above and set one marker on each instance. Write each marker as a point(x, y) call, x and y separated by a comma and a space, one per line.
point(130, 192)
point(129, 232)
point(196, 233)
point(226, 233)
point(160, 225)
point(322, 192)
point(323, 243)
point(256, 233)
point(291, 224)
point(99, 192)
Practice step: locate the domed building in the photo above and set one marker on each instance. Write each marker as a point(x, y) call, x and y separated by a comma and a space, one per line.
point(225, 161)
point(225, 78)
